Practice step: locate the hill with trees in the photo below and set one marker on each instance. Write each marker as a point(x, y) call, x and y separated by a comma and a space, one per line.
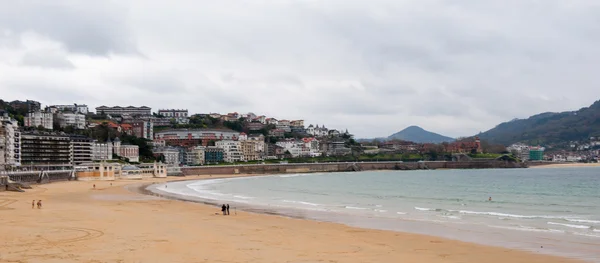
point(552, 129)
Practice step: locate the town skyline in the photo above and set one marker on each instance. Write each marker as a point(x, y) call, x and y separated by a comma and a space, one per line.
point(425, 125)
point(374, 67)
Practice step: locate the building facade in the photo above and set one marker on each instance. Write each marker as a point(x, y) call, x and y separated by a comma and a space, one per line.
point(143, 129)
point(39, 118)
point(102, 151)
point(179, 115)
point(75, 120)
point(46, 151)
point(213, 154)
point(171, 154)
point(82, 149)
point(232, 150)
point(74, 108)
point(249, 150)
point(194, 137)
point(131, 152)
point(129, 110)
point(195, 156)
point(10, 142)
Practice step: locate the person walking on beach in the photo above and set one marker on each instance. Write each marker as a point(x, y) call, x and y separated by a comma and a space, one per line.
point(94, 186)
point(224, 209)
point(227, 209)
point(39, 204)
point(33, 204)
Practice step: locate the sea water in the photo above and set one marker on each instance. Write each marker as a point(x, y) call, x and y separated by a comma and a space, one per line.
point(545, 210)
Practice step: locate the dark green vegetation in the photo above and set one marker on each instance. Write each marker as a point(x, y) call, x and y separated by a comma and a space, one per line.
point(549, 128)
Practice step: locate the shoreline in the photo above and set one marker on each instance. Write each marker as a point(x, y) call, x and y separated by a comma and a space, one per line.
point(113, 223)
point(450, 232)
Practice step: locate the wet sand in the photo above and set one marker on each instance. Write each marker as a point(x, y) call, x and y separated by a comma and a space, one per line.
point(116, 224)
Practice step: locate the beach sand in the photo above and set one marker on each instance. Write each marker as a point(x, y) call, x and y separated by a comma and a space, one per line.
point(562, 165)
point(115, 224)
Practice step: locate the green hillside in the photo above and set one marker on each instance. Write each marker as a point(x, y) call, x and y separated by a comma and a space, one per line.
point(548, 128)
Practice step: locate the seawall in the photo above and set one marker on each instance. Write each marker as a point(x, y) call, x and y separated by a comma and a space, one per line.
point(343, 167)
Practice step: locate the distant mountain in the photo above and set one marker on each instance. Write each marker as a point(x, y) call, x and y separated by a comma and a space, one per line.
point(419, 135)
point(548, 128)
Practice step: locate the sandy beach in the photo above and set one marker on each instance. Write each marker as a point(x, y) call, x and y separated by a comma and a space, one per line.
point(113, 223)
point(562, 165)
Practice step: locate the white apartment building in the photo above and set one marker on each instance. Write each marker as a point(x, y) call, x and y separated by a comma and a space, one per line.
point(102, 151)
point(296, 148)
point(10, 142)
point(232, 150)
point(39, 118)
point(171, 155)
point(75, 108)
point(179, 115)
point(76, 120)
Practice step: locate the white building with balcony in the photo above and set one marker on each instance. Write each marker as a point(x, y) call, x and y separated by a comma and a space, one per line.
point(232, 150)
point(39, 118)
point(75, 120)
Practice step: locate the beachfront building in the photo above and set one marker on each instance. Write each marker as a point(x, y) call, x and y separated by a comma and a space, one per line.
point(119, 111)
point(213, 154)
point(194, 137)
point(180, 116)
point(249, 150)
point(75, 120)
point(131, 152)
point(536, 153)
point(44, 151)
point(232, 150)
point(171, 155)
point(102, 151)
point(334, 147)
point(294, 147)
point(195, 155)
point(82, 149)
point(39, 119)
point(10, 142)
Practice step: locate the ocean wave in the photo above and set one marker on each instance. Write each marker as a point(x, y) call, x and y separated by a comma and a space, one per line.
point(530, 229)
point(354, 207)
point(401, 213)
point(300, 202)
point(505, 215)
point(290, 175)
point(570, 225)
point(427, 209)
point(243, 197)
point(583, 221)
point(380, 211)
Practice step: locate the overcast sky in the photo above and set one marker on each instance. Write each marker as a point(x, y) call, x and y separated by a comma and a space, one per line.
point(374, 67)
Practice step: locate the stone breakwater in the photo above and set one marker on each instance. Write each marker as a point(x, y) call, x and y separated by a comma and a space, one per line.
point(344, 167)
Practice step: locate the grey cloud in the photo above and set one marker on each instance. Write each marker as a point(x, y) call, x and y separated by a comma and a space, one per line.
point(95, 28)
point(457, 66)
point(47, 59)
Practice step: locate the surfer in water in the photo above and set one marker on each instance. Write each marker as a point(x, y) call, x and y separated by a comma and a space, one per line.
point(490, 199)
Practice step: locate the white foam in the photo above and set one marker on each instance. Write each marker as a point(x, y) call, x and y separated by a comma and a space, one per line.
point(380, 211)
point(300, 202)
point(354, 207)
point(243, 197)
point(583, 221)
point(570, 225)
point(509, 215)
point(529, 229)
point(424, 209)
point(401, 213)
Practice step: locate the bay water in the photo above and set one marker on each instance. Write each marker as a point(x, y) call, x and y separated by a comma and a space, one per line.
point(543, 210)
